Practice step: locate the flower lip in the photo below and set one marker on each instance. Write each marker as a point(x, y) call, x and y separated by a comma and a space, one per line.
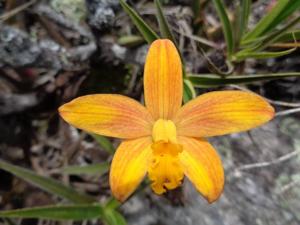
point(165, 170)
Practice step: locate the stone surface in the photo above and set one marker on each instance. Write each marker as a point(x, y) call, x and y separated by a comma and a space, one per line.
point(101, 13)
point(17, 49)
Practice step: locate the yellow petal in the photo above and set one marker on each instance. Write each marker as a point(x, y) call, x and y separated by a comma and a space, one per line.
point(129, 166)
point(222, 112)
point(163, 80)
point(203, 167)
point(109, 115)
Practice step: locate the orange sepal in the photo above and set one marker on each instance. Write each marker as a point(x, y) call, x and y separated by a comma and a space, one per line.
point(163, 80)
point(109, 115)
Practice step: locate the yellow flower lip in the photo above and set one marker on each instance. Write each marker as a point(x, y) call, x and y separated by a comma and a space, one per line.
point(164, 130)
point(164, 138)
point(165, 171)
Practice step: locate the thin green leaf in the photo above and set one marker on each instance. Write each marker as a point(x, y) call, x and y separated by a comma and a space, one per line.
point(46, 183)
point(119, 218)
point(261, 55)
point(286, 45)
point(104, 142)
point(112, 203)
point(62, 212)
point(131, 40)
point(208, 80)
point(163, 23)
point(289, 36)
point(267, 22)
point(188, 91)
point(290, 8)
point(227, 28)
point(141, 25)
point(261, 43)
point(112, 217)
point(275, 35)
point(94, 169)
point(244, 17)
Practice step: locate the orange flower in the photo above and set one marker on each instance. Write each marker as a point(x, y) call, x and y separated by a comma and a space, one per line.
point(165, 139)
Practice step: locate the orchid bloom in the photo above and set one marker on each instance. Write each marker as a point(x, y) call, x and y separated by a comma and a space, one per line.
point(163, 138)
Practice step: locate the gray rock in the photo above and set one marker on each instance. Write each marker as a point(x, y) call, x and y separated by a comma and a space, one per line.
point(17, 49)
point(101, 13)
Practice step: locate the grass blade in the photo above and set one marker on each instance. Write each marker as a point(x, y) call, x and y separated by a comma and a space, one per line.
point(141, 25)
point(208, 80)
point(240, 56)
point(288, 11)
point(276, 35)
point(163, 23)
point(289, 36)
point(57, 212)
point(188, 91)
point(244, 17)
point(241, 21)
point(46, 183)
point(227, 28)
point(112, 217)
point(131, 40)
point(267, 22)
point(104, 142)
point(94, 169)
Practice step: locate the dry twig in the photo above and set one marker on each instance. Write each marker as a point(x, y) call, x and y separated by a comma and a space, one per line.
point(15, 11)
point(269, 163)
point(287, 112)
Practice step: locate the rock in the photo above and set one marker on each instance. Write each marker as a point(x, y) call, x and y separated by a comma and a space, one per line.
point(18, 50)
point(15, 103)
point(73, 9)
point(101, 13)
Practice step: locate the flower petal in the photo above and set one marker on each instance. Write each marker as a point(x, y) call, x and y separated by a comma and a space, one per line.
point(109, 115)
point(163, 80)
point(222, 112)
point(202, 165)
point(129, 166)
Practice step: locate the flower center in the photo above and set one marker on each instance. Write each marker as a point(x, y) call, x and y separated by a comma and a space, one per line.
point(165, 171)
